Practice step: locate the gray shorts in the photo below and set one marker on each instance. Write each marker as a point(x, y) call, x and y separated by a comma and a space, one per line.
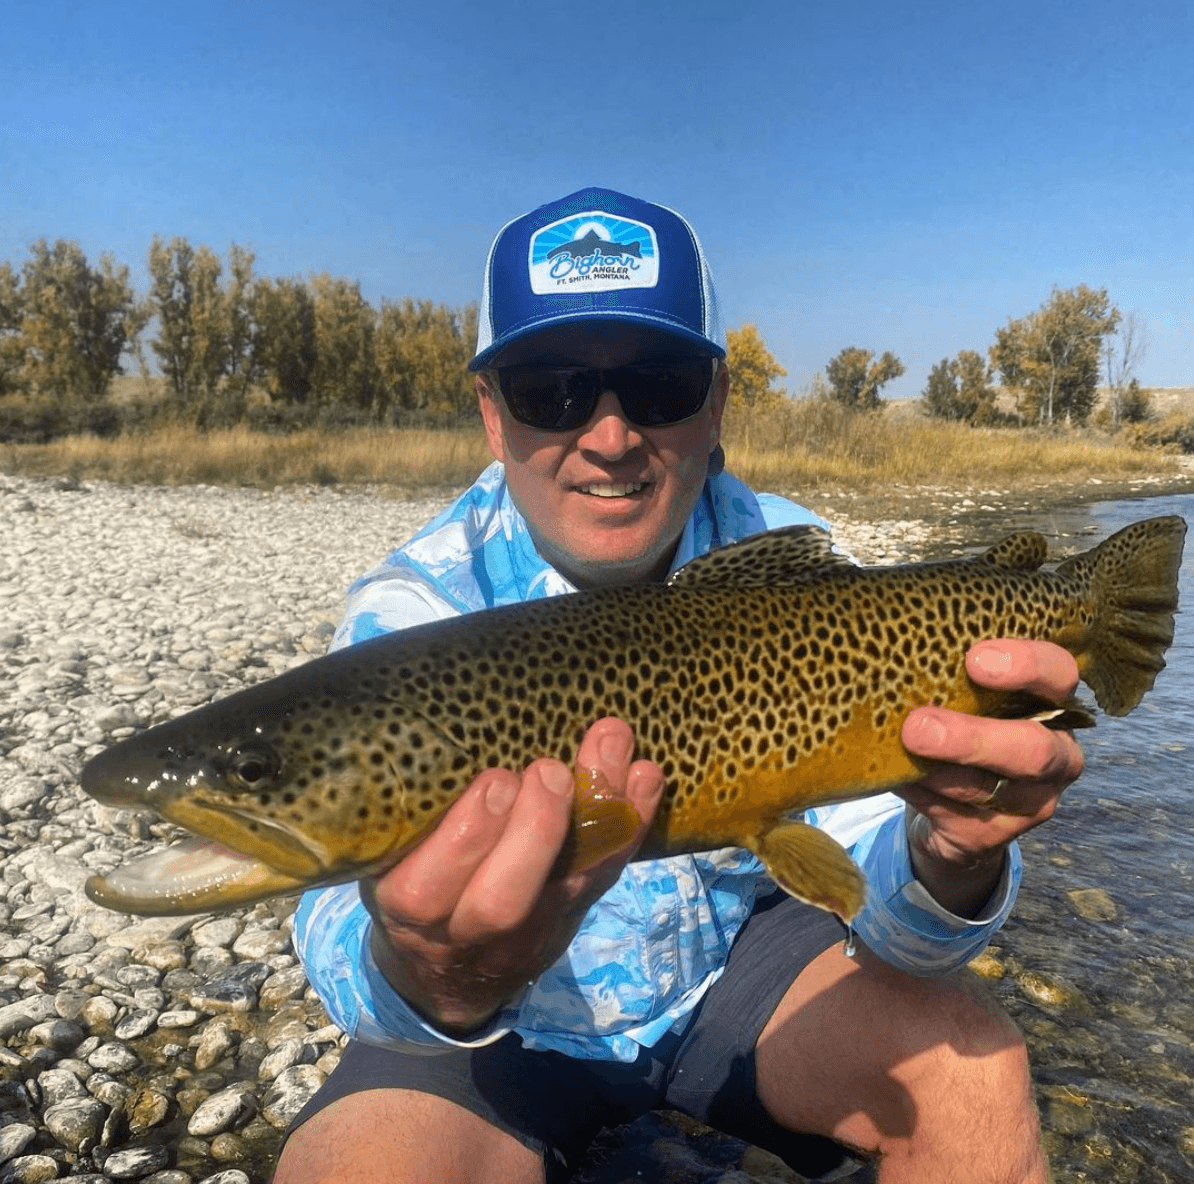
point(556, 1105)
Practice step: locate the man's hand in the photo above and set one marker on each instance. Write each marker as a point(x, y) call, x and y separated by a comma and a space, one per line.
point(471, 916)
point(958, 844)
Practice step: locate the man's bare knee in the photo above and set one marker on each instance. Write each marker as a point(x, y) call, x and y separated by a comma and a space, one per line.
point(392, 1136)
point(916, 1070)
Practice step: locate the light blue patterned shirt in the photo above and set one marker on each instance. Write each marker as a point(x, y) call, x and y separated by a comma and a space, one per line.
point(651, 947)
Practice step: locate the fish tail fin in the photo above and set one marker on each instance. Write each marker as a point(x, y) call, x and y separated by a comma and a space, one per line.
point(806, 863)
point(1133, 578)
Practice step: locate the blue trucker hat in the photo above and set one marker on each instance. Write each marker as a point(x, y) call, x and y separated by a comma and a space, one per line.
point(597, 255)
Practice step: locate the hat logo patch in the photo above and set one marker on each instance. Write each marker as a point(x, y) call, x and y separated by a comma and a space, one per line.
point(593, 252)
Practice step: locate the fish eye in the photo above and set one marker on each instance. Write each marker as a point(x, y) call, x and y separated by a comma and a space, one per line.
point(252, 765)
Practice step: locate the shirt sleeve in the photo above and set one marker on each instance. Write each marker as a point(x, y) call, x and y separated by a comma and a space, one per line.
point(332, 931)
point(900, 921)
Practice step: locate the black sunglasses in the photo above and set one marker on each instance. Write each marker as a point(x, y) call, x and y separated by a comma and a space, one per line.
point(563, 398)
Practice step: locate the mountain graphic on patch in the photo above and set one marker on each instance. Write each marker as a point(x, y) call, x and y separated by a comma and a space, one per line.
point(593, 251)
point(578, 248)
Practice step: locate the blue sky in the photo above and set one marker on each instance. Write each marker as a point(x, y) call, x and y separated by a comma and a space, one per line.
point(895, 176)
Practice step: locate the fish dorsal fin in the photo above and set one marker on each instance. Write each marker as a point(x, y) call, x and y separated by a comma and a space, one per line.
point(1023, 551)
point(784, 556)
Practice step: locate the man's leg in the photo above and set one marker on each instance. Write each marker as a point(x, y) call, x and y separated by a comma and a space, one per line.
point(929, 1073)
point(403, 1137)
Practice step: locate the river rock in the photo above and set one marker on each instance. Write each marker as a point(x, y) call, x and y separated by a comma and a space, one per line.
point(135, 1162)
point(77, 1122)
point(222, 1111)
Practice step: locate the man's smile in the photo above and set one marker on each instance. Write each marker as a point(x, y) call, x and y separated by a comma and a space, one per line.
point(613, 488)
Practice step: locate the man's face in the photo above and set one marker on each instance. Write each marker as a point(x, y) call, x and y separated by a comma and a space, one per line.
point(606, 502)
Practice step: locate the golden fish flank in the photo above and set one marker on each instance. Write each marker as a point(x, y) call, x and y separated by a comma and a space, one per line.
point(766, 678)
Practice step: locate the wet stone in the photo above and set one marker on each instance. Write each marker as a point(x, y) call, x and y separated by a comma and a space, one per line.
point(222, 1111)
point(134, 1162)
point(29, 1169)
point(288, 1053)
point(163, 955)
point(136, 1023)
point(1094, 904)
point(228, 1148)
point(146, 1109)
point(282, 986)
point(221, 932)
point(214, 1043)
point(228, 1176)
point(291, 1090)
point(76, 1123)
point(222, 995)
point(14, 1138)
point(61, 1035)
point(113, 1058)
point(59, 1085)
point(179, 1018)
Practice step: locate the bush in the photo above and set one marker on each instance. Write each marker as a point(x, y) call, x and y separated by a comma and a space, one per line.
point(26, 420)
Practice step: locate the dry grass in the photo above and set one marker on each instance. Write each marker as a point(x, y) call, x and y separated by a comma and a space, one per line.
point(814, 445)
point(801, 446)
point(407, 460)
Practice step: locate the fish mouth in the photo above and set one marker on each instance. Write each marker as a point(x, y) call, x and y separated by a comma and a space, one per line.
point(192, 876)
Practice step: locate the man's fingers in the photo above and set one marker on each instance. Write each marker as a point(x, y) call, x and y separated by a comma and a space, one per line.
point(1013, 748)
point(503, 892)
point(1036, 666)
point(426, 885)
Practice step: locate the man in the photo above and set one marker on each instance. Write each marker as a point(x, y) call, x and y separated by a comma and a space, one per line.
point(501, 1017)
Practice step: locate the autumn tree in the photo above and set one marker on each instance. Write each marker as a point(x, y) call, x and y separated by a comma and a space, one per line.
point(74, 321)
point(193, 311)
point(1050, 358)
point(12, 348)
point(855, 380)
point(238, 318)
point(960, 389)
point(283, 338)
point(344, 375)
point(422, 352)
point(753, 370)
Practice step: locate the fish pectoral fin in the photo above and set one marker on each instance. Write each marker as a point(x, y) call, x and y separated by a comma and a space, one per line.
point(806, 863)
point(602, 823)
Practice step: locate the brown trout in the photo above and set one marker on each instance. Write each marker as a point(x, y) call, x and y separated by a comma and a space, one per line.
point(765, 678)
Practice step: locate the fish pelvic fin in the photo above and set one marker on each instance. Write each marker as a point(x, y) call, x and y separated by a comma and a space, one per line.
point(806, 863)
point(1133, 578)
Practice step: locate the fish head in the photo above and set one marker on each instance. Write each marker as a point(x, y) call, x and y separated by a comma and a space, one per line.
point(283, 792)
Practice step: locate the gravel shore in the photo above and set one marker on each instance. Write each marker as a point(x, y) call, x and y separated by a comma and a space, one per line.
point(174, 1050)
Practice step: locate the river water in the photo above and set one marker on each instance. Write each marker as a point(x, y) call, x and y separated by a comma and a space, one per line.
point(1098, 959)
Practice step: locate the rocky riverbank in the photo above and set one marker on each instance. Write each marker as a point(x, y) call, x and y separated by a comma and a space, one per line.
point(177, 1050)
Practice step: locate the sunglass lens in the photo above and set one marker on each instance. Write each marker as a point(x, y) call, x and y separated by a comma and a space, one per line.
point(547, 399)
point(659, 394)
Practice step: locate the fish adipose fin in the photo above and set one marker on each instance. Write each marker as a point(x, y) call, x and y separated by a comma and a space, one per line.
point(806, 863)
point(782, 556)
point(1133, 578)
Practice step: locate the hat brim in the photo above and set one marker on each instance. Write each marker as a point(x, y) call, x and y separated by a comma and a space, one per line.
point(487, 357)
